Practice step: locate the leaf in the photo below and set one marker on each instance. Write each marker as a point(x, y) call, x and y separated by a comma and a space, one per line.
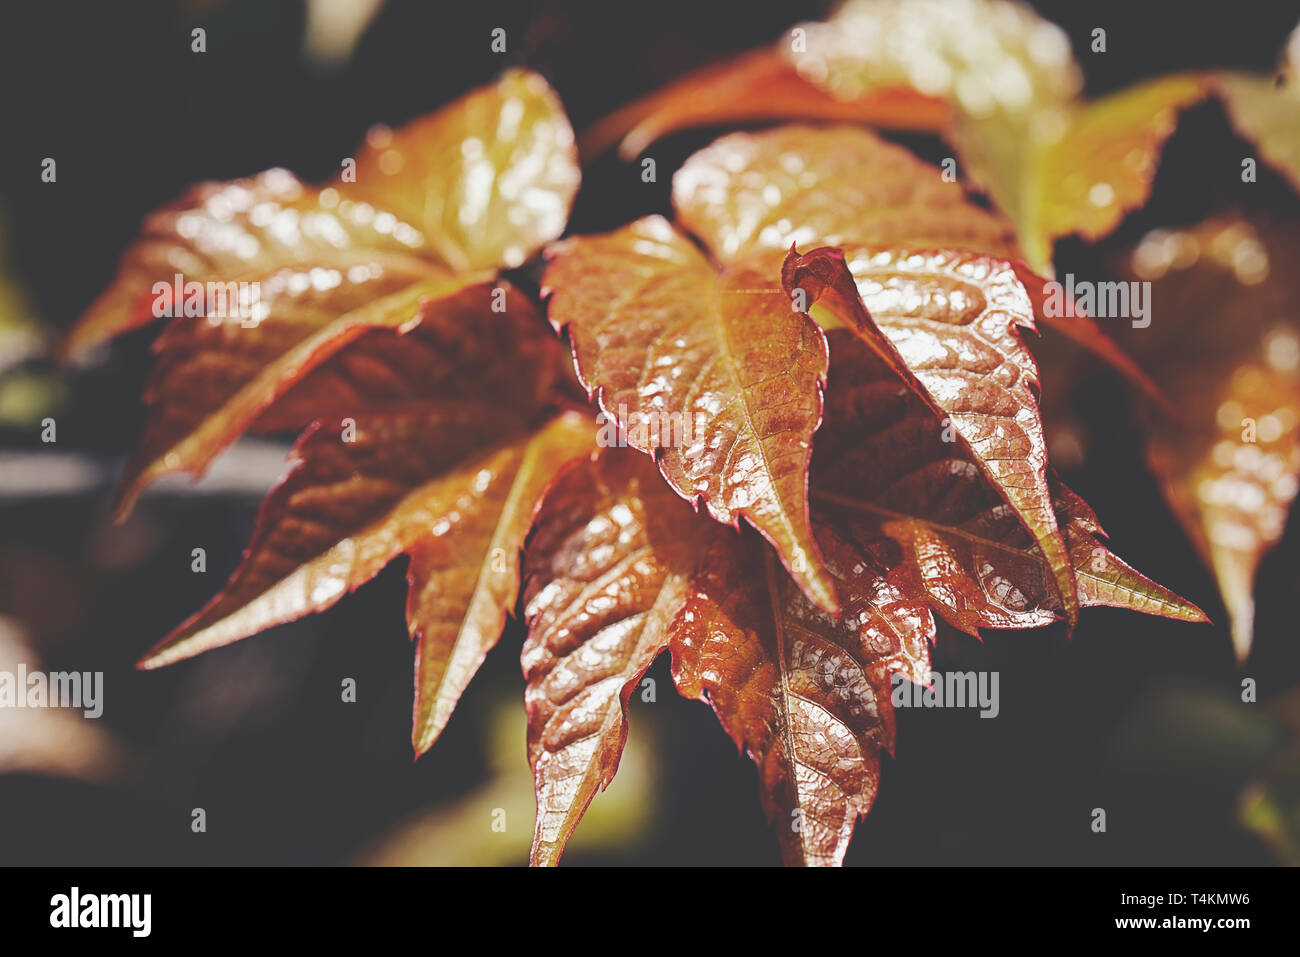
point(1053, 164)
point(755, 86)
point(606, 570)
point(982, 56)
point(1086, 165)
point(489, 179)
point(1007, 74)
point(1266, 110)
point(952, 317)
point(808, 697)
point(453, 486)
point(1074, 322)
point(710, 372)
point(749, 195)
point(885, 466)
point(1104, 578)
point(1227, 352)
point(463, 350)
point(212, 381)
point(1104, 164)
point(618, 568)
point(284, 276)
point(250, 230)
point(462, 582)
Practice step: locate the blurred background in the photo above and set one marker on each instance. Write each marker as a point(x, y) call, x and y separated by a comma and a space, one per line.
point(1136, 715)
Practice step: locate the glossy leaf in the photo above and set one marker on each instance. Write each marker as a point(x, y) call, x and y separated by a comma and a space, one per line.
point(1007, 74)
point(805, 695)
point(714, 373)
point(486, 344)
point(277, 277)
point(250, 230)
point(213, 380)
point(488, 179)
point(453, 486)
point(885, 466)
point(464, 576)
point(618, 568)
point(750, 196)
point(606, 571)
point(952, 318)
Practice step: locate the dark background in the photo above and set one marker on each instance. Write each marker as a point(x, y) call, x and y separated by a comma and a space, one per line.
point(1136, 715)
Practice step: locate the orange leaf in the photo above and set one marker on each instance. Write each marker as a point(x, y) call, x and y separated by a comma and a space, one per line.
point(710, 372)
point(452, 485)
point(755, 86)
point(272, 278)
point(1226, 349)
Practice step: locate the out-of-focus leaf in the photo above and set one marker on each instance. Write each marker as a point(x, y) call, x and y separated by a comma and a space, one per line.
point(1271, 806)
point(606, 571)
point(714, 374)
point(1103, 164)
point(1225, 346)
point(1054, 165)
point(452, 485)
point(980, 55)
point(479, 829)
point(488, 180)
point(760, 85)
point(26, 395)
point(50, 741)
point(1059, 169)
point(1266, 110)
point(287, 275)
point(1008, 75)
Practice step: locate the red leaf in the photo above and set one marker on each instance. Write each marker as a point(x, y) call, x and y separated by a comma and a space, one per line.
point(606, 571)
point(952, 317)
point(452, 485)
